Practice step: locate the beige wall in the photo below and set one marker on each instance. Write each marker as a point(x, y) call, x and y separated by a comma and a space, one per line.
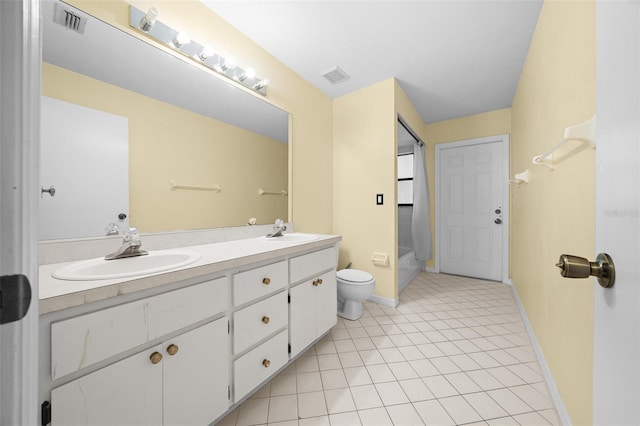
point(167, 143)
point(554, 213)
point(364, 132)
point(310, 155)
point(469, 127)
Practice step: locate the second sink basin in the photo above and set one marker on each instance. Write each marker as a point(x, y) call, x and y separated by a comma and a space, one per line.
point(100, 269)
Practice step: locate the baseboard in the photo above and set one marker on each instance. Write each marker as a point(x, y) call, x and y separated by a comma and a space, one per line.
point(386, 301)
point(431, 269)
point(546, 372)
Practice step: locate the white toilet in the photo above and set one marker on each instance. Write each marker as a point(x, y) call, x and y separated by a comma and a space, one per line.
point(354, 287)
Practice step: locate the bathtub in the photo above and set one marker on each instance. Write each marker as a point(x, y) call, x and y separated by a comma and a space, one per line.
point(408, 267)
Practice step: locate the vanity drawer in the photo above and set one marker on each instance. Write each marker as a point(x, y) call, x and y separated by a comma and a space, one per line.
point(255, 322)
point(84, 340)
point(258, 282)
point(256, 366)
point(313, 263)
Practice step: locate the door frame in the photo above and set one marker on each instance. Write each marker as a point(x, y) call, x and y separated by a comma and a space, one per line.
point(504, 190)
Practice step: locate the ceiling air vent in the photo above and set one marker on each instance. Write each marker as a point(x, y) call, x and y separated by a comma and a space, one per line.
point(69, 18)
point(335, 75)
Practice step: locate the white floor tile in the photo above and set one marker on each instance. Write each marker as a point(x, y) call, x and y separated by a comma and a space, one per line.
point(339, 401)
point(315, 421)
point(345, 419)
point(306, 364)
point(509, 401)
point(410, 353)
point(325, 347)
point(345, 345)
point(460, 410)
point(365, 397)
point(505, 376)
point(357, 376)
point(445, 365)
point(531, 419)
point(283, 408)
point(333, 379)
point(309, 382)
point(284, 385)
point(416, 390)
point(432, 413)
point(550, 416)
point(382, 342)
point(311, 404)
point(364, 344)
point(371, 356)
point(350, 359)
point(485, 405)
point(380, 373)
point(253, 412)
point(439, 386)
point(462, 383)
point(485, 380)
point(424, 368)
point(532, 397)
point(329, 362)
point(402, 370)
point(375, 417)
point(405, 415)
point(391, 393)
point(464, 362)
point(526, 373)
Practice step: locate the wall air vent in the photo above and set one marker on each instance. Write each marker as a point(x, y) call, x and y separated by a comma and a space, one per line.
point(69, 18)
point(336, 75)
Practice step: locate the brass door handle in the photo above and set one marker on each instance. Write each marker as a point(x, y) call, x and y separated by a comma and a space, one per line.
point(579, 267)
point(155, 357)
point(266, 281)
point(172, 349)
point(266, 319)
point(266, 363)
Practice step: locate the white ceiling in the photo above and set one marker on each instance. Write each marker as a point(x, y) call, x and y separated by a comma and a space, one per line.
point(453, 58)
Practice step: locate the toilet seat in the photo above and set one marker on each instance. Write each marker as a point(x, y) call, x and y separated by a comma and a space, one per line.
point(354, 276)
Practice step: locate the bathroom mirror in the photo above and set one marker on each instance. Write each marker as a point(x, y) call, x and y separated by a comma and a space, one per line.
point(202, 153)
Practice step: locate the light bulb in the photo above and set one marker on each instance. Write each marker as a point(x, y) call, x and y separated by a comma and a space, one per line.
point(230, 63)
point(249, 73)
point(261, 84)
point(181, 39)
point(148, 20)
point(206, 52)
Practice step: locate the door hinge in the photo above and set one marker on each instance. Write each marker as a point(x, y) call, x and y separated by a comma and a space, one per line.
point(15, 297)
point(46, 413)
point(228, 327)
point(289, 348)
point(229, 393)
point(288, 298)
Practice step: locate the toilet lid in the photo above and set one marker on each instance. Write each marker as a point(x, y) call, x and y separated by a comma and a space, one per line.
point(354, 275)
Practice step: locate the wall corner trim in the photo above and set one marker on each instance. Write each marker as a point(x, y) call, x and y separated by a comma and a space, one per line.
point(565, 419)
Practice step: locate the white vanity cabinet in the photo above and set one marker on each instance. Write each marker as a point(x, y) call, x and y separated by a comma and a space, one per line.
point(313, 304)
point(190, 351)
point(182, 381)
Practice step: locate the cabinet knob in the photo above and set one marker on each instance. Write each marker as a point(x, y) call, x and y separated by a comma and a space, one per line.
point(266, 281)
point(266, 363)
point(315, 283)
point(172, 349)
point(319, 280)
point(266, 319)
point(155, 357)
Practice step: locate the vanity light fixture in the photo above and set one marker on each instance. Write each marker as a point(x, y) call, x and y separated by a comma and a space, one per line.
point(261, 84)
point(205, 53)
point(180, 42)
point(181, 39)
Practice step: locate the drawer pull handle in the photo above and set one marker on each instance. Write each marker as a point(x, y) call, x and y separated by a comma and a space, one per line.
point(266, 281)
point(317, 282)
point(155, 357)
point(266, 363)
point(172, 349)
point(266, 319)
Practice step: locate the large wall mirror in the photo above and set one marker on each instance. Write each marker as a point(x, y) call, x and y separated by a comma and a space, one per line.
point(135, 136)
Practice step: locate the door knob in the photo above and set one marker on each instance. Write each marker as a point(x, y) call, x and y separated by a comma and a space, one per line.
point(498, 221)
point(579, 267)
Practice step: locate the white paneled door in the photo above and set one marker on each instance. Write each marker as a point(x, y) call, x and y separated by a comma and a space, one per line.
point(471, 203)
point(616, 379)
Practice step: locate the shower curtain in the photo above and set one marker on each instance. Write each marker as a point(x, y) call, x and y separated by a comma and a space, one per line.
point(420, 229)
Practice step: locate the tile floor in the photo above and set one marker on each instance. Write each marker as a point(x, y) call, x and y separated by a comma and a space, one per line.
point(455, 351)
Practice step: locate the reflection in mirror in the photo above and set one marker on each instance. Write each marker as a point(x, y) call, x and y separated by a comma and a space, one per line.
point(178, 125)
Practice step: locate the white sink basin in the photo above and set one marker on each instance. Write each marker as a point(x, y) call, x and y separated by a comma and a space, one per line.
point(100, 269)
point(294, 237)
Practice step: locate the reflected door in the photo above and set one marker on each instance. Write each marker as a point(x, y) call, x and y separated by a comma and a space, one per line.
point(85, 156)
point(471, 210)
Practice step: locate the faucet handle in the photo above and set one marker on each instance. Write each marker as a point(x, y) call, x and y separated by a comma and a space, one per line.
point(279, 222)
point(132, 234)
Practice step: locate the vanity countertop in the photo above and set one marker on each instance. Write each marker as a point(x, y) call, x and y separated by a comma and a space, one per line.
point(55, 294)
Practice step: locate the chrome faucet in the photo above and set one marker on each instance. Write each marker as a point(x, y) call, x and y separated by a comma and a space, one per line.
point(278, 228)
point(130, 246)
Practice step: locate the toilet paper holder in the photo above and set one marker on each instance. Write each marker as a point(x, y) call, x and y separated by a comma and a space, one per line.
point(579, 267)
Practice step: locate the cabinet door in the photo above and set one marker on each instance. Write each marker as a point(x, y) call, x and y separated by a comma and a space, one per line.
point(196, 377)
point(302, 316)
point(128, 392)
point(327, 300)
